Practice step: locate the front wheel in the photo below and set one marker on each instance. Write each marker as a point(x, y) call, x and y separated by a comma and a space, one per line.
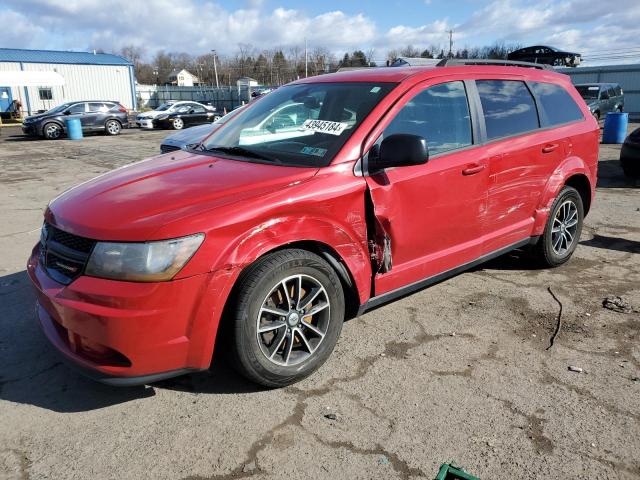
point(177, 124)
point(112, 127)
point(52, 131)
point(288, 317)
point(562, 231)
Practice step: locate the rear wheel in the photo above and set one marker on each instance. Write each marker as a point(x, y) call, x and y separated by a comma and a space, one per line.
point(562, 231)
point(52, 131)
point(112, 127)
point(289, 314)
point(177, 124)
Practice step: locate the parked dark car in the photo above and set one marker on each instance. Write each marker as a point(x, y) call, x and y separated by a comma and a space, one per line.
point(546, 55)
point(94, 115)
point(602, 98)
point(630, 155)
point(184, 116)
point(193, 135)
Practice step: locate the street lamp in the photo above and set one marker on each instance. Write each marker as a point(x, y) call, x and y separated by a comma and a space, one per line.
point(215, 68)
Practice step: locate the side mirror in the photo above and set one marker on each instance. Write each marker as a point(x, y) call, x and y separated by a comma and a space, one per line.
point(398, 150)
point(192, 111)
point(67, 112)
point(604, 96)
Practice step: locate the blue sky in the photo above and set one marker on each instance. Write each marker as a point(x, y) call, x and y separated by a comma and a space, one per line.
point(590, 27)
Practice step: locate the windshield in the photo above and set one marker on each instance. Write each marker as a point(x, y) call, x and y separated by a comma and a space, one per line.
point(298, 125)
point(164, 106)
point(224, 119)
point(588, 92)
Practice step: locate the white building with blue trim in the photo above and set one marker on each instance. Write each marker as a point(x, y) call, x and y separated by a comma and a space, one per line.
point(86, 75)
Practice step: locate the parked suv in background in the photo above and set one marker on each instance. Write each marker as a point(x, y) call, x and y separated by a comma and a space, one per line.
point(95, 115)
point(602, 98)
point(396, 179)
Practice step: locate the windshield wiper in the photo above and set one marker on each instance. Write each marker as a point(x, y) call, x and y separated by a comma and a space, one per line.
point(243, 152)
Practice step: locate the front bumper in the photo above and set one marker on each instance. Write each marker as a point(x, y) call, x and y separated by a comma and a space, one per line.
point(145, 123)
point(29, 129)
point(126, 333)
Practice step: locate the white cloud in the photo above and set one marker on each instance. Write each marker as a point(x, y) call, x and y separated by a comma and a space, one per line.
point(190, 26)
point(592, 27)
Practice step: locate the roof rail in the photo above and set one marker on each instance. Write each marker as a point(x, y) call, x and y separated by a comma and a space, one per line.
point(451, 62)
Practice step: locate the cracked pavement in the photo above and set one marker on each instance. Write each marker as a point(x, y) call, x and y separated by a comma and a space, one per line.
point(457, 372)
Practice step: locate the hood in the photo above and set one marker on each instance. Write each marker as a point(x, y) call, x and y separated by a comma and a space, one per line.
point(35, 118)
point(152, 114)
point(190, 135)
point(133, 203)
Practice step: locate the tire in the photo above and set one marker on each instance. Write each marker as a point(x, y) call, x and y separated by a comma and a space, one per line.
point(561, 235)
point(270, 358)
point(52, 131)
point(631, 169)
point(216, 118)
point(177, 124)
point(112, 127)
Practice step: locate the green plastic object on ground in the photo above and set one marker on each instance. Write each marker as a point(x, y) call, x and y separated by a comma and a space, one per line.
point(448, 472)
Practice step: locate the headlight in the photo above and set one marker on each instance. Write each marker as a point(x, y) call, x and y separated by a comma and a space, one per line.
point(162, 117)
point(142, 262)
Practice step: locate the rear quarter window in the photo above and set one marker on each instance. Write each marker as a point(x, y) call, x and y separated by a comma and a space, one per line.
point(508, 108)
point(556, 105)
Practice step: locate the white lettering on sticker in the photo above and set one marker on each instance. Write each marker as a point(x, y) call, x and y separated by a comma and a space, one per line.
point(324, 126)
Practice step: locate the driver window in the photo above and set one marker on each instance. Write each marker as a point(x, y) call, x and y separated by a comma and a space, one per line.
point(77, 108)
point(440, 114)
point(197, 108)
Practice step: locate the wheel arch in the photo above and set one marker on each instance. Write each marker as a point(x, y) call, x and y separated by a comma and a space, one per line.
point(573, 172)
point(337, 263)
point(581, 183)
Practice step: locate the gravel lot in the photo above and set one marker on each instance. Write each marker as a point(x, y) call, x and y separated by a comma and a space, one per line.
point(459, 371)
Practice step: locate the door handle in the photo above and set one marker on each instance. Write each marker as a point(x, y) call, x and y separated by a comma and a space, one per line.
point(473, 169)
point(550, 147)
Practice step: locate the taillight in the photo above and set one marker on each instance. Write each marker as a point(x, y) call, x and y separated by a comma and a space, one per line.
point(122, 109)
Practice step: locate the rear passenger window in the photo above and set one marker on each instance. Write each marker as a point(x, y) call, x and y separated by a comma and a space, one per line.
point(440, 114)
point(556, 105)
point(97, 107)
point(508, 107)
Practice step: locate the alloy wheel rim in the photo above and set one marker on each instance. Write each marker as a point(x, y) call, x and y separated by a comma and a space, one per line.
point(293, 320)
point(113, 127)
point(177, 123)
point(53, 131)
point(564, 228)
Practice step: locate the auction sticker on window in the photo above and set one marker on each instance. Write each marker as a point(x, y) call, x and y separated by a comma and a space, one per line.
point(324, 126)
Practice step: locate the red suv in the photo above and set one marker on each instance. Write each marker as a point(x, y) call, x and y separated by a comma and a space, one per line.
point(327, 197)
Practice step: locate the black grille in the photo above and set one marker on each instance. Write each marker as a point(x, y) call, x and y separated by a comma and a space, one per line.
point(168, 148)
point(65, 255)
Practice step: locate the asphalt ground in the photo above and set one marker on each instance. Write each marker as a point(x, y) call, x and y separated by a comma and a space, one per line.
point(457, 372)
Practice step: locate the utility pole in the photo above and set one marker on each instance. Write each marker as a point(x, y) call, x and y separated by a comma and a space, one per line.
point(305, 57)
point(450, 43)
point(215, 68)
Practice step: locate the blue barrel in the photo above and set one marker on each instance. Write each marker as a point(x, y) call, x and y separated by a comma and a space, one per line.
point(74, 129)
point(615, 127)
